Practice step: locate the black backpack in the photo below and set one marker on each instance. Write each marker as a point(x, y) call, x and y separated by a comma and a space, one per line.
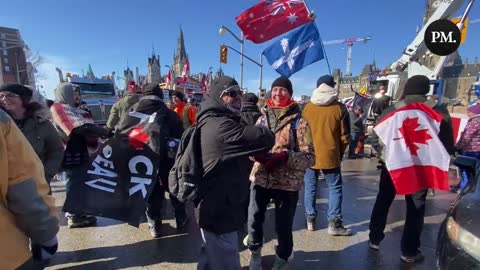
point(186, 179)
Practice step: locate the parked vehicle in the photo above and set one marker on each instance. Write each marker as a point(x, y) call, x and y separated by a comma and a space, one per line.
point(458, 244)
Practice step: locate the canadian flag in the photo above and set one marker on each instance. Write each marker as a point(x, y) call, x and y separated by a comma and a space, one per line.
point(169, 78)
point(186, 70)
point(415, 156)
point(458, 125)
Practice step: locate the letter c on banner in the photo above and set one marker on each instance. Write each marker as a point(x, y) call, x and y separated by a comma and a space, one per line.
point(132, 164)
point(107, 151)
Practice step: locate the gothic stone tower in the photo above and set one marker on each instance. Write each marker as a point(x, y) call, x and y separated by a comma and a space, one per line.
point(154, 75)
point(128, 75)
point(180, 56)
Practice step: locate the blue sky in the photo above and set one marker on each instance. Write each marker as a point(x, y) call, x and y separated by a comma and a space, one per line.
point(107, 33)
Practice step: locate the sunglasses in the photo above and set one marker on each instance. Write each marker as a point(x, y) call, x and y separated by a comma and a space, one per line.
point(232, 91)
point(8, 95)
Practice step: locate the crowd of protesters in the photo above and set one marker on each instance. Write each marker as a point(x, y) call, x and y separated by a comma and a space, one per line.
point(256, 155)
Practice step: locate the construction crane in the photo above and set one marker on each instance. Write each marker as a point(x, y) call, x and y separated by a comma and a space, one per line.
point(349, 42)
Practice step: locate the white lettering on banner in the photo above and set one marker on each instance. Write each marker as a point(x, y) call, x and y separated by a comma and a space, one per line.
point(107, 151)
point(93, 184)
point(140, 181)
point(141, 185)
point(132, 165)
point(102, 171)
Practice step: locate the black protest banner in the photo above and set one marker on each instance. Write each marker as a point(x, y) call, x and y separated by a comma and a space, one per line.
point(116, 182)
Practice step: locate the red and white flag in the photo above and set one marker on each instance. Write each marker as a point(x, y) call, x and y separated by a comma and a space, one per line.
point(271, 18)
point(186, 70)
point(207, 79)
point(415, 156)
point(458, 125)
point(169, 79)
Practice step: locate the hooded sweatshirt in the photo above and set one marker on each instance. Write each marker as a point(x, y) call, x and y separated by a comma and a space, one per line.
point(64, 113)
point(324, 95)
point(330, 126)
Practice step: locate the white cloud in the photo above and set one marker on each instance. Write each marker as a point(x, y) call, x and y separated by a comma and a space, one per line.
point(48, 78)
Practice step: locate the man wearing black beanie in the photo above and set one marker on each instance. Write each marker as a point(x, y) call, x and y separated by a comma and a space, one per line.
point(415, 90)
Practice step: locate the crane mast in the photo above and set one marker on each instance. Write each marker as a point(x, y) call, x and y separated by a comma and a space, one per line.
point(349, 42)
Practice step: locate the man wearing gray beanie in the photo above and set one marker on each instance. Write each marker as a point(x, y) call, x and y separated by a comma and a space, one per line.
point(415, 90)
point(226, 144)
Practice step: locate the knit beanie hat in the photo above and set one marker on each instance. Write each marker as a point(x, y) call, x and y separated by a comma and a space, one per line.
point(153, 89)
point(326, 79)
point(179, 94)
point(283, 82)
point(220, 84)
point(22, 91)
point(417, 85)
point(474, 109)
point(250, 98)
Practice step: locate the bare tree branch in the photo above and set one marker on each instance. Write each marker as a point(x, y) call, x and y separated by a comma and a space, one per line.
point(35, 60)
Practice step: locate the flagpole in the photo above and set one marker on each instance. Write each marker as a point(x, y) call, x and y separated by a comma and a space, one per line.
point(323, 48)
point(308, 10)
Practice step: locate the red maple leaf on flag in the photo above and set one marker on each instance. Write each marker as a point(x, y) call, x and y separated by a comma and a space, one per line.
point(412, 136)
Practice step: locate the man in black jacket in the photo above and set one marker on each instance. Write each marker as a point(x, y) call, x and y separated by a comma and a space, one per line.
point(150, 103)
point(226, 144)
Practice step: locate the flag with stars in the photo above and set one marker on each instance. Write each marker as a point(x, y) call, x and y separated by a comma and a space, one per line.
point(296, 50)
point(271, 18)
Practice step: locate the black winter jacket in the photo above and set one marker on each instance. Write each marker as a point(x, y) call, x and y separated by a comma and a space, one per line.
point(226, 144)
point(250, 113)
point(149, 105)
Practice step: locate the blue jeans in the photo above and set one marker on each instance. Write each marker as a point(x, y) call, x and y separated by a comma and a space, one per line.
point(219, 251)
point(354, 138)
point(335, 193)
point(463, 174)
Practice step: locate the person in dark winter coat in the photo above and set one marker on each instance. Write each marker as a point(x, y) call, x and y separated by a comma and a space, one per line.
point(226, 145)
point(124, 105)
point(33, 120)
point(77, 129)
point(250, 111)
point(150, 103)
point(416, 89)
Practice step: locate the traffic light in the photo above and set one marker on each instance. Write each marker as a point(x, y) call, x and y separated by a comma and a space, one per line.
point(223, 54)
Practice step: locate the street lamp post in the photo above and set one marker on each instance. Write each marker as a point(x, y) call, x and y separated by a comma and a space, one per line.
point(253, 61)
point(223, 30)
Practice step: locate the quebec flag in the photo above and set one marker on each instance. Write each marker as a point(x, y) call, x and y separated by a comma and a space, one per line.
point(296, 50)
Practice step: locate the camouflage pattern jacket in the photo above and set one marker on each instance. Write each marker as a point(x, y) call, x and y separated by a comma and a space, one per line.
point(292, 134)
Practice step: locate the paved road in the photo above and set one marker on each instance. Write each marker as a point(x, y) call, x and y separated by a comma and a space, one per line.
point(115, 245)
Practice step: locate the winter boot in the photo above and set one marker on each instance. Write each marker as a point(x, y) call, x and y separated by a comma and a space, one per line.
point(336, 228)
point(310, 224)
point(279, 264)
point(76, 221)
point(155, 228)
